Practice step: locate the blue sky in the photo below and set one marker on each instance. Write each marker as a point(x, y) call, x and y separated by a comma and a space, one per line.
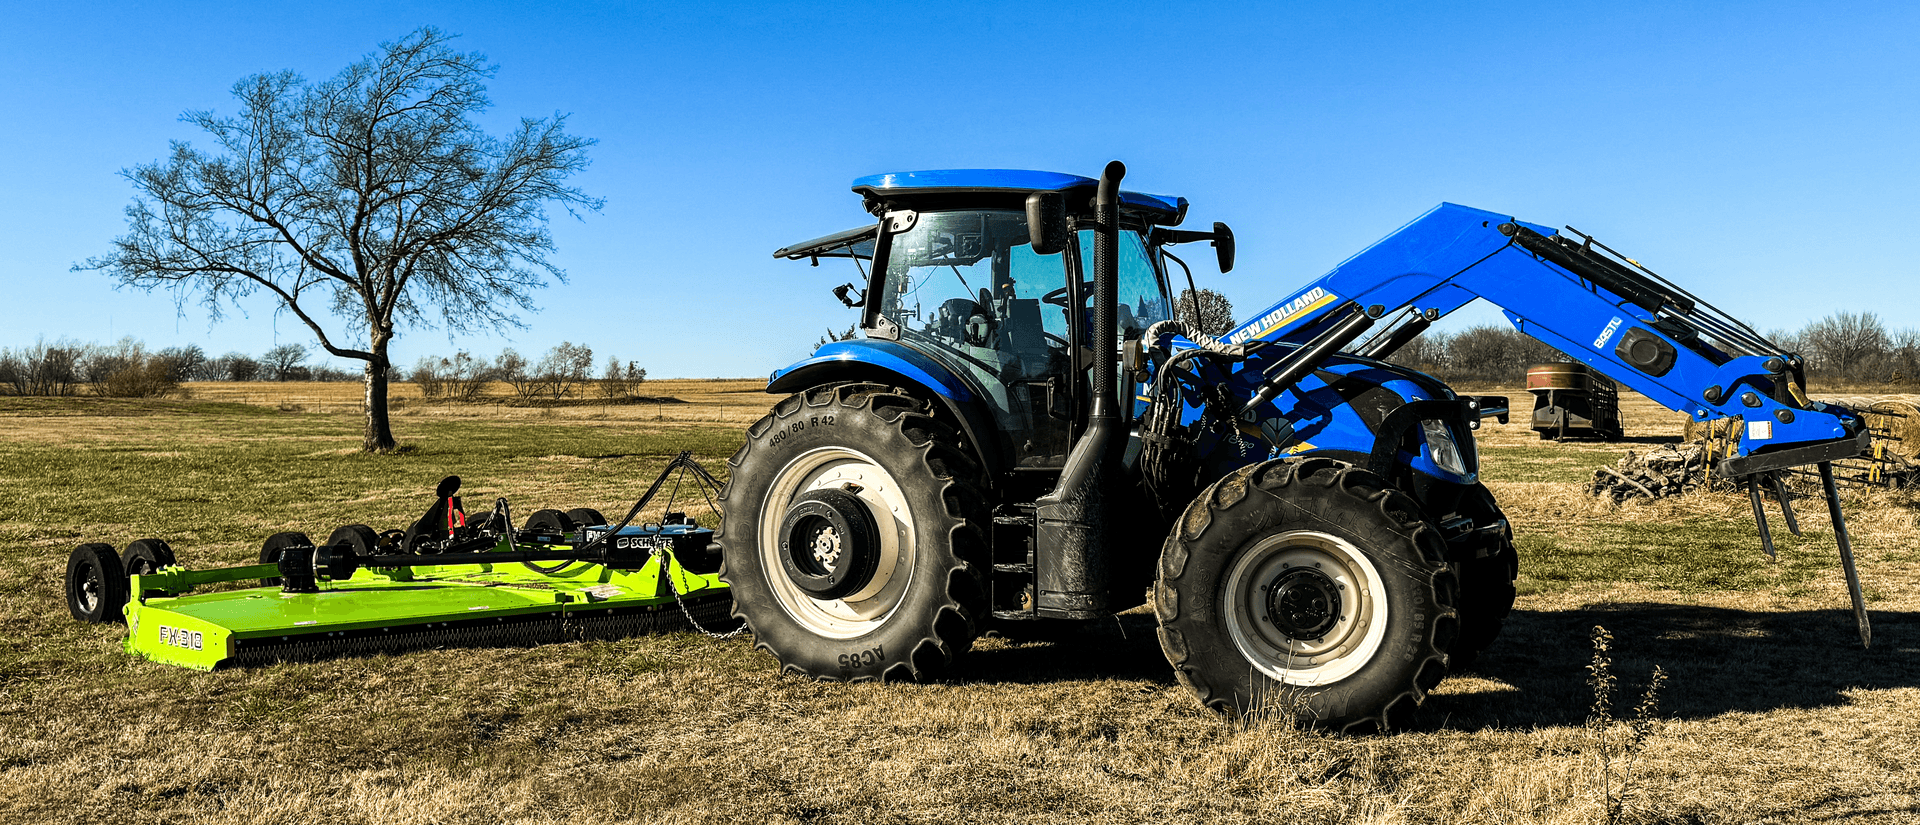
point(1761, 154)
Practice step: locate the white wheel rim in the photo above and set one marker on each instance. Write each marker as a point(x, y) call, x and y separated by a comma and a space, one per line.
point(851, 471)
point(1355, 637)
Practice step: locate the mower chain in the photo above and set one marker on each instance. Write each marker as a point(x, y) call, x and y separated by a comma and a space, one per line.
point(697, 625)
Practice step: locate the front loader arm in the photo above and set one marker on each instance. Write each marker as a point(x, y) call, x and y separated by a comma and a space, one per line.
point(1598, 308)
point(1602, 309)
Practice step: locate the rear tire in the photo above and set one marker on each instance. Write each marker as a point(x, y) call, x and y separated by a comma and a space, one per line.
point(96, 584)
point(1307, 587)
point(586, 517)
point(916, 598)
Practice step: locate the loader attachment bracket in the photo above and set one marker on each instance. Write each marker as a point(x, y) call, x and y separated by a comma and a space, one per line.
point(1800, 455)
point(1753, 468)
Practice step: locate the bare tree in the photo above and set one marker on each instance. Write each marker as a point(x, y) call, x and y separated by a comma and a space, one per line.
point(98, 363)
point(241, 367)
point(1427, 352)
point(13, 372)
point(371, 197)
point(621, 378)
point(282, 363)
point(44, 369)
point(427, 376)
point(184, 362)
point(564, 366)
point(1844, 342)
point(831, 336)
point(465, 376)
point(1215, 314)
point(1905, 355)
point(511, 367)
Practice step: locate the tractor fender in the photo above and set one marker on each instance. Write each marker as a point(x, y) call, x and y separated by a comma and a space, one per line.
point(898, 365)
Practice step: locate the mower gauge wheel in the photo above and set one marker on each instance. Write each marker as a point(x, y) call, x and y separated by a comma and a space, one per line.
point(552, 521)
point(360, 537)
point(586, 517)
point(96, 584)
point(144, 556)
point(270, 552)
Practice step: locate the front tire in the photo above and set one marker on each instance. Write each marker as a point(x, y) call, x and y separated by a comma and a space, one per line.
point(1306, 586)
point(853, 536)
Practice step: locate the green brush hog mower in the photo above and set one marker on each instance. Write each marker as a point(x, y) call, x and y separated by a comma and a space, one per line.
point(444, 581)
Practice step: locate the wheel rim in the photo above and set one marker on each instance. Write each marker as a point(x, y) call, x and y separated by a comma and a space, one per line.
point(88, 593)
point(850, 471)
point(1321, 584)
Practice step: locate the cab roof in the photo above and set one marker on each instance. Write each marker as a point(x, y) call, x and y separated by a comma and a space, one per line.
point(943, 184)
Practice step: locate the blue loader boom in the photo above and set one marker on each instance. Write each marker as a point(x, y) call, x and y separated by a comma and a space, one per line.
point(1601, 308)
point(1023, 434)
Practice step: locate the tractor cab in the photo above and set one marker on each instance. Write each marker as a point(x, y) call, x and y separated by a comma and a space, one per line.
point(953, 283)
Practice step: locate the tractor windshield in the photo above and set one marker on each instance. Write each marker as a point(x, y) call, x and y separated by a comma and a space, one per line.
point(966, 288)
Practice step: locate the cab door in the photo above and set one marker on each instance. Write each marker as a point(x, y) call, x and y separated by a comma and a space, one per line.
point(966, 289)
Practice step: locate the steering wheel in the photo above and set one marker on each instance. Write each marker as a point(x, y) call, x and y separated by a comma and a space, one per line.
point(1058, 297)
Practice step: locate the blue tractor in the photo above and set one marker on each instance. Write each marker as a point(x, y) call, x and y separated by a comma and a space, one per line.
point(1025, 434)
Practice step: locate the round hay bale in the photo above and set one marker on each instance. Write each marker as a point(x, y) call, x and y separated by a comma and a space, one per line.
point(1692, 430)
point(1901, 421)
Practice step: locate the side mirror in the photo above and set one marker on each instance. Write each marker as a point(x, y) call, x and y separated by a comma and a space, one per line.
point(1047, 222)
point(1222, 245)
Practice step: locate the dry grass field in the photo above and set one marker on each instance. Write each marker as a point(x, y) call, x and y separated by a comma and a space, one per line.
point(1770, 711)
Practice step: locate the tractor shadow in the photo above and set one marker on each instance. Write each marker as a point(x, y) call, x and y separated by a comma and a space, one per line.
point(1717, 660)
point(1121, 647)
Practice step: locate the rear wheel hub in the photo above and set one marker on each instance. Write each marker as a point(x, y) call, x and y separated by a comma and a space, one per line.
point(829, 544)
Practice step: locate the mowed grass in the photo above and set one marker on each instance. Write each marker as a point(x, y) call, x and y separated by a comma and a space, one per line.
point(1772, 712)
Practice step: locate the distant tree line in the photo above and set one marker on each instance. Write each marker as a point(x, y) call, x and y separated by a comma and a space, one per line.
point(1845, 348)
point(128, 369)
point(566, 370)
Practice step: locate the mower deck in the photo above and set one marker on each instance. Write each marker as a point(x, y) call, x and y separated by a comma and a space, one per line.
point(392, 609)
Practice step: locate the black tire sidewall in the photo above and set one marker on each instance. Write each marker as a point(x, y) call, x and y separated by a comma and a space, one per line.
point(360, 537)
point(270, 551)
point(908, 643)
point(586, 517)
point(1418, 620)
point(105, 562)
point(153, 552)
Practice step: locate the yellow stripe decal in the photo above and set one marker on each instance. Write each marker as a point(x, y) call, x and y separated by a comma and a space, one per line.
point(1298, 313)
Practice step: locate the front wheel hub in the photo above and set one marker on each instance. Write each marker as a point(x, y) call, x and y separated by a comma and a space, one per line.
point(829, 544)
point(1303, 603)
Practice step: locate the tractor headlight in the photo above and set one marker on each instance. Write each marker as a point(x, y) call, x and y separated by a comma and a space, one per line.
point(1440, 444)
